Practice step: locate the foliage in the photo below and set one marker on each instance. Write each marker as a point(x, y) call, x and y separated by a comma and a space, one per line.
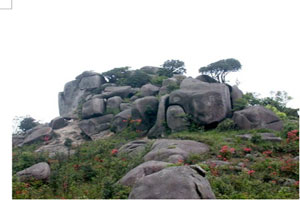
point(240, 104)
point(158, 80)
point(24, 123)
point(137, 78)
point(117, 75)
point(219, 70)
point(171, 67)
point(226, 125)
point(281, 115)
point(172, 86)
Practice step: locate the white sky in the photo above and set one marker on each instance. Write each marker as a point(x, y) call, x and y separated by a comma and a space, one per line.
point(44, 44)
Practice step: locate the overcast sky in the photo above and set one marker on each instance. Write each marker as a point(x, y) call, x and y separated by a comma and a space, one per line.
point(44, 44)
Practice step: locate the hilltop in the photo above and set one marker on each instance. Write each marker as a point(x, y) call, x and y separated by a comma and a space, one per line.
point(149, 133)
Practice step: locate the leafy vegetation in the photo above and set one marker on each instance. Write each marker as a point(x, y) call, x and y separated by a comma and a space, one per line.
point(220, 69)
point(24, 123)
point(171, 67)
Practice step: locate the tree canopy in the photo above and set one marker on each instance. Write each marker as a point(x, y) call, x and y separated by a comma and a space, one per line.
point(116, 75)
point(219, 70)
point(171, 67)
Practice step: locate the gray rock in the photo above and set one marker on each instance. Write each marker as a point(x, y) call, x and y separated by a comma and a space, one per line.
point(179, 77)
point(69, 99)
point(121, 120)
point(141, 171)
point(134, 148)
point(173, 183)
point(145, 109)
point(91, 82)
point(102, 135)
point(86, 74)
point(38, 135)
point(105, 85)
point(150, 69)
point(95, 125)
point(206, 78)
point(93, 107)
point(40, 171)
point(133, 98)
point(206, 102)
point(264, 136)
point(17, 140)
point(170, 150)
point(257, 117)
point(114, 103)
point(236, 93)
point(149, 90)
point(58, 122)
point(169, 81)
point(56, 145)
point(125, 106)
point(122, 91)
point(176, 119)
point(163, 91)
point(159, 128)
point(216, 162)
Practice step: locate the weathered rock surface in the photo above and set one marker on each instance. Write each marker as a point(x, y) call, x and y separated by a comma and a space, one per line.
point(40, 171)
point(149, 90)
point(38, 134)
point(145, 109)
point(176, 119)
point(121, 120)
point(264, 136)
point(134, 148)
point(95, 125)
point(256, 117)
point(58, 122)
point(206, 78)
point(121, 91)
point(141, 171)
point(159, 128)
point(173, 183)
point(170, 150)
point(206, 102)
point(236, 93)
point(91, 82)
point(69, 99)
point(17, 140)
point(55, 146)
point(93, 107)
point(125, 106)
point(113, 103)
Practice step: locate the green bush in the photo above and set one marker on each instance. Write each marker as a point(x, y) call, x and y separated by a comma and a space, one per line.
point(226, 125)
point(158, 80)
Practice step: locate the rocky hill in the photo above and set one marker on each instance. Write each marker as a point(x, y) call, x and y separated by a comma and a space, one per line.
point(92, 109)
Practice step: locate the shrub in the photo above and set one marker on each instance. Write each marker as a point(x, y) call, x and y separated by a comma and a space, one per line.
point(158, 80)
point(226, 125)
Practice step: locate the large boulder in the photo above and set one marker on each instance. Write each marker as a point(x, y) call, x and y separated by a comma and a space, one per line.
point(125, 106)
point(144, 111)
point(159, 128)
point(40, 171)
point(236, 93)
point(134, 148)
point(56, 145)
point(149, 90)
point(113, 103)
point(93, 107)
point(182, 182)
point(122, 91)
point(257, 117)
point(170, 150)
point(58, 122)
point(141, 171)
point(264, 136)
point(96, 125)
point(75, 91)
point(69, 99)
point(17, 140)
point(176, 118)
point(121, 121)
point(39, 134)
point(91, 82)
point(207, 103)
point(206, 78)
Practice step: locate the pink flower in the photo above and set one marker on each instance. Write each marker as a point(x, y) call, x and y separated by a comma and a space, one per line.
point(250, 172)
point(247, 149)
point(114, 151)
point(232, 150)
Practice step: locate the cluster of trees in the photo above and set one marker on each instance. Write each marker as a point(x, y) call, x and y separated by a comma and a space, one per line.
point(24, 123)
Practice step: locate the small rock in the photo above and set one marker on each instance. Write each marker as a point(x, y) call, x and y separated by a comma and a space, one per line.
point(40, 171)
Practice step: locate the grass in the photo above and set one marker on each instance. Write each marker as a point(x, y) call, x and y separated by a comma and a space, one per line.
point(267, 170)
